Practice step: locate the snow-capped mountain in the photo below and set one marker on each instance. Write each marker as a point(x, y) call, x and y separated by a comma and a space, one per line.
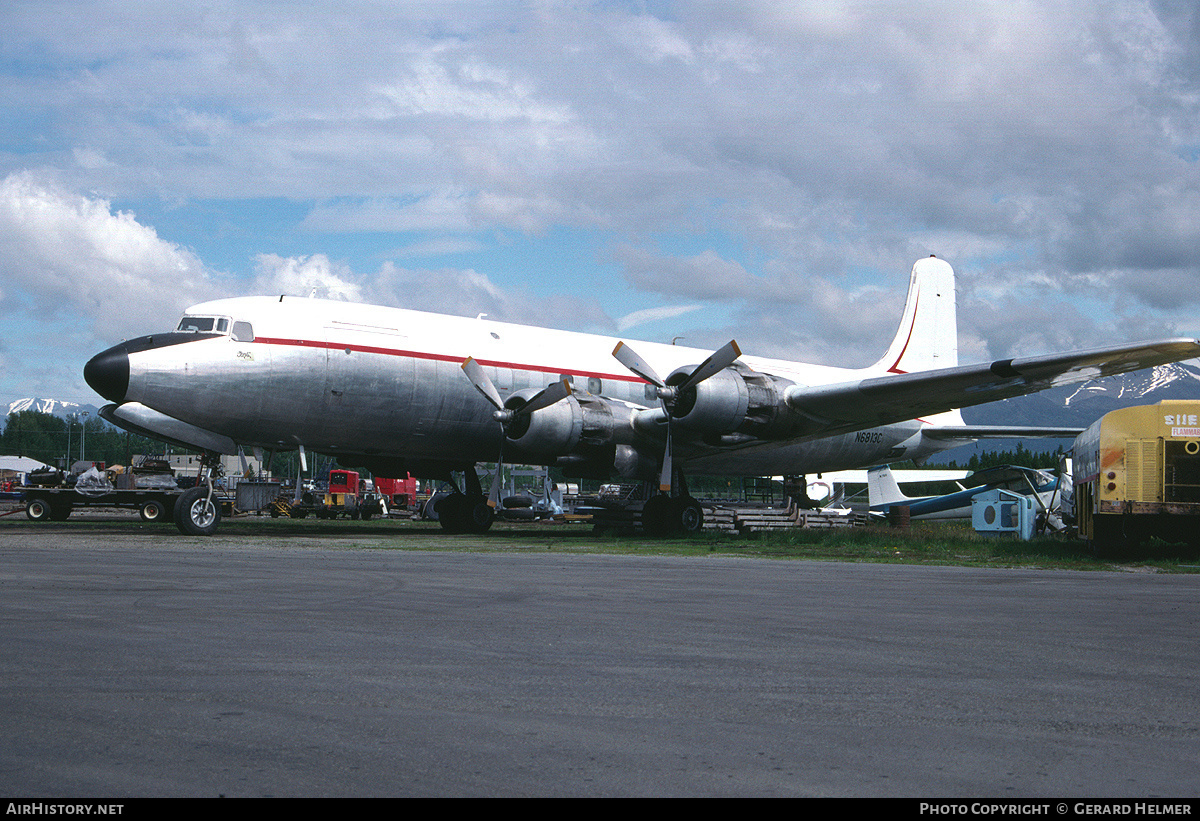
point(1081, 404)
point(1076, 406)
point(55, 407)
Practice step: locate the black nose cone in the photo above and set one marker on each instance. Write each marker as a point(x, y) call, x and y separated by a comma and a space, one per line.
point(108, 373)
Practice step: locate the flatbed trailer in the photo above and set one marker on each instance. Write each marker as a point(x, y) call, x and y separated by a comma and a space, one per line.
point(49, 504)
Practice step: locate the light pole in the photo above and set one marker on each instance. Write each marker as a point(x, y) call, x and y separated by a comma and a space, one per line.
point(83, 435)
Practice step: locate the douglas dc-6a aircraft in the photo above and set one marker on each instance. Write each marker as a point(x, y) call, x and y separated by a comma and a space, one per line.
point(398, 391)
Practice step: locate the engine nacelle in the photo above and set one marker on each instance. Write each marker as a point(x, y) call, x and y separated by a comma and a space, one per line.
point(717, 405)
point(550, 431)
point(577, 425)
point(736, 400)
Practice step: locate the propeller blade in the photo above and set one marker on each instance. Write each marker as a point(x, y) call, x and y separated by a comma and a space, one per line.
point(494, 494)
point(664, 480)
point(629, 358)
point(482, 383)
point(719, 361)
point(543, 399)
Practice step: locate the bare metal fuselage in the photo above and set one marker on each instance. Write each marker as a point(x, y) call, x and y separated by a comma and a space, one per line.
point(368, 381)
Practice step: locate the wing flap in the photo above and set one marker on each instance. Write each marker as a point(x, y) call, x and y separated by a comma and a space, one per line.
point(883, 400)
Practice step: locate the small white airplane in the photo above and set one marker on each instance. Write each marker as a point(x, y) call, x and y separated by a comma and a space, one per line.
point(398, 391)
point(884, 493)
point(827, 486)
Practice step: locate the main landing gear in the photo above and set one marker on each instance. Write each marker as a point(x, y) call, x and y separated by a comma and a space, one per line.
point(467, 512)
point(666, 515)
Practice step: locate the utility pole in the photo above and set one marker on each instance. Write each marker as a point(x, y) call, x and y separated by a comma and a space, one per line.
point(83, 436)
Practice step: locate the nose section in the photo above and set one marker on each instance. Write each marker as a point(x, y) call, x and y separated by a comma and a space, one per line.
point(108, 373)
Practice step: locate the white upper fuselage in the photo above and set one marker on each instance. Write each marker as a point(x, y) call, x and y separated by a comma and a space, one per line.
point(348, 378)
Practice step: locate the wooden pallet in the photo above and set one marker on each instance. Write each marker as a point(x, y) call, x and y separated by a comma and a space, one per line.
point(731, 518)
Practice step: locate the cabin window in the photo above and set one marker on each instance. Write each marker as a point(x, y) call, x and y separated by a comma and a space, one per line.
point(651, 392)
point(242, 332)
point(595, 386)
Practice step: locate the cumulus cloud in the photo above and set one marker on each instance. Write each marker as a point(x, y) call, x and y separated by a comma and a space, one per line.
point(465, 292)
point(1040, 147)
point(311, 276)
point(67, 254)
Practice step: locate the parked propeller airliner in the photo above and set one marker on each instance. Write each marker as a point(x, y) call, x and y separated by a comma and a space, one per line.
point(397, 391)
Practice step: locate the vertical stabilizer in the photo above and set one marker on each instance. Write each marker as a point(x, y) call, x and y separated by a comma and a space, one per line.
point(883, 489)
point(928, 335)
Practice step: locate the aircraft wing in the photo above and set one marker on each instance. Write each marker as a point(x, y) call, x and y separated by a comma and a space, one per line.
point(998, 432)
point(881, 400)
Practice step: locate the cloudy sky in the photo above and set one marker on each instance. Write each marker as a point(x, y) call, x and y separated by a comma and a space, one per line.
point(760, 170)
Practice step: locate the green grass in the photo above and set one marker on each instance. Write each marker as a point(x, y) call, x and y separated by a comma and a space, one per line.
point(930, 543)
point(925, 543)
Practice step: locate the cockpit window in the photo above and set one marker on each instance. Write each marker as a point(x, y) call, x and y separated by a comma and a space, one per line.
point(203, 324)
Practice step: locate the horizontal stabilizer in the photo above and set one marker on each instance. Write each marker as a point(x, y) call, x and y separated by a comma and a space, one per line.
point(882, 400)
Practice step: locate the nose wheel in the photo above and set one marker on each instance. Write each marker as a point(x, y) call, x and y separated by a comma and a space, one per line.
point(197, 512)
point(198, 509)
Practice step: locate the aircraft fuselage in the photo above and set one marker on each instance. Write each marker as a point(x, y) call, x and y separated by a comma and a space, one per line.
point(386, 383)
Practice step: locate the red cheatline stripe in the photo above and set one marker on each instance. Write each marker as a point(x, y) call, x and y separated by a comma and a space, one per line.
point(436, 357)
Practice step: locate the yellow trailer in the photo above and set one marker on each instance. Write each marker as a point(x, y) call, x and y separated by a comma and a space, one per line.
point(1137, 475)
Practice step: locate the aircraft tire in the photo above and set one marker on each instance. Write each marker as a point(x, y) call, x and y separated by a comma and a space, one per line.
point(430, 510)
point(459, 513)
point(450, 514)
point(37, 510)
point(479, 515)
point(688, 515)
point(657, 518)
point(196, 514)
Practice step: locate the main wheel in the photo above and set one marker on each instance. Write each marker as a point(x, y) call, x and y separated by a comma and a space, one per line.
point(38, 510)
point(657, 516)
point(689, 515)
point(459, 513)
point(153, 510)
point(196, 514)
point(450, 513)
point(479, 515)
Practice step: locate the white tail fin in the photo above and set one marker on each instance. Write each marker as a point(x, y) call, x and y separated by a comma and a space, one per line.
point(882, 488)
point(928, 335)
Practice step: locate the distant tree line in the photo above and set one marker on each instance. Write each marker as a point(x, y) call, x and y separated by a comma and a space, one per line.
point(1021, 457)
point(59, 442)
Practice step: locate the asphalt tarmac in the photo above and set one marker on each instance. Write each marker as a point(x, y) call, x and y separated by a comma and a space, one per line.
point(143, 663)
